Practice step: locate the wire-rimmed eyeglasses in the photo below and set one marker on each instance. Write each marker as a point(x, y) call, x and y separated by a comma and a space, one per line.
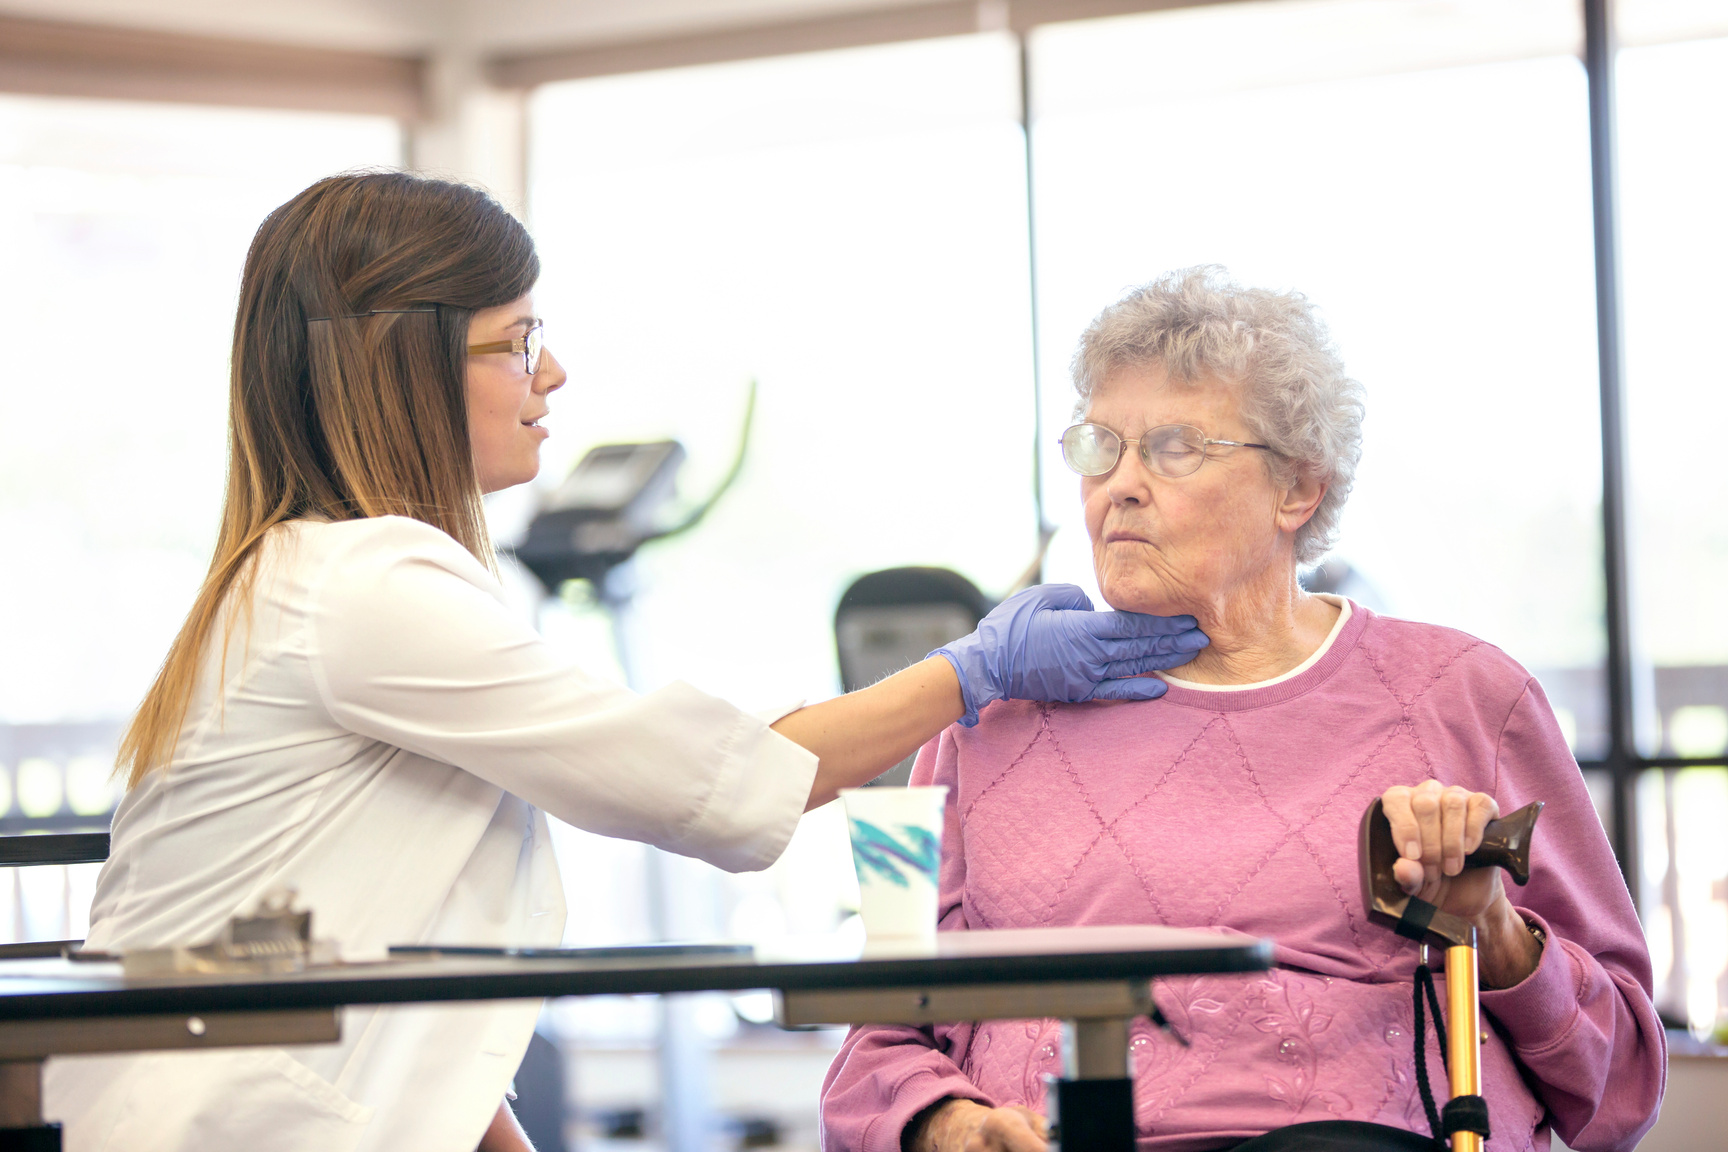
point(529, 345)
point(1172, 450)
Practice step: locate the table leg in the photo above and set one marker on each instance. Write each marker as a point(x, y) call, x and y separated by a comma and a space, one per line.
point(1092, 1110)
point(21, 1126)
point(678, 910)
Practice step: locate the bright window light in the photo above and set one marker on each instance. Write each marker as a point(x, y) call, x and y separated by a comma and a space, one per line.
point(122, 229)
point(849, 230)
point(40, 787)
point(1673, 98)
point(1681, 814)
point(91, 789)
point(1421, 171)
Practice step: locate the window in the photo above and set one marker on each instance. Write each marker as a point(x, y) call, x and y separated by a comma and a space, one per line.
point(1675, 241)
point(123, 227)
point(848, 229)
point(1684, 902)
point(1421, 171)
point(1672, 96)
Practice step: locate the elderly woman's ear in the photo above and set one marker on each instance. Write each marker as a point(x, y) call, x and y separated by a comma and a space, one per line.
point(1299, 503)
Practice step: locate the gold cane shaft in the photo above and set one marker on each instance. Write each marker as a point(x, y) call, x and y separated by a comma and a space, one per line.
point(1463, 1034)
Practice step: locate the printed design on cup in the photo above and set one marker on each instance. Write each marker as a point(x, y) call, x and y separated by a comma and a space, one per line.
point(884, 855)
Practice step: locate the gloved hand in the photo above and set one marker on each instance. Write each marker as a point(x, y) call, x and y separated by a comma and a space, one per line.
point(1047, 643)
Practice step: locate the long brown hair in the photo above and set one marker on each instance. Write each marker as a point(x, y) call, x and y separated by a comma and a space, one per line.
point(347, 388)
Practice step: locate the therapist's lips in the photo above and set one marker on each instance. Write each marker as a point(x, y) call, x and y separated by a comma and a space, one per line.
point(535, 425)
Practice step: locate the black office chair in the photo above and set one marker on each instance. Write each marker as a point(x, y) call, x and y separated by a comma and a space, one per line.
point(540, 1105)
point(892, 619)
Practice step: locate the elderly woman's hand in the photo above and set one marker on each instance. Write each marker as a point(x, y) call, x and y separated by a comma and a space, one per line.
point(1435, 827)
point(967, 1126)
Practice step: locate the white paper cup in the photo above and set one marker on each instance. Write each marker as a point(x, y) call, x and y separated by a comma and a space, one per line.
point(897, 851)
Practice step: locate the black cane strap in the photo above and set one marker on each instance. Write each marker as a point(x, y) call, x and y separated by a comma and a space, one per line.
point(1439, 1020)
point(1425, 983)
point(1413, 923)
point(1465, 1114)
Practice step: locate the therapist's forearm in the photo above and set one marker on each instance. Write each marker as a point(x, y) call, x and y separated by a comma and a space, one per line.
point(861, 735)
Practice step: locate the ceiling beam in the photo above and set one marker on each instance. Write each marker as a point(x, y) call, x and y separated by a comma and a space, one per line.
point(747, 42)
point(60, 58)
point(54, 58)
point(786, 37)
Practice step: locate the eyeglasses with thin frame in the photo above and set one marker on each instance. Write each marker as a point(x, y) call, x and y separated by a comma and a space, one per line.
point(529, 345)
point(1173, 450)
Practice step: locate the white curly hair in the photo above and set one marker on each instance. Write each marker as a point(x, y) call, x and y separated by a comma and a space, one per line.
point(1199, 324)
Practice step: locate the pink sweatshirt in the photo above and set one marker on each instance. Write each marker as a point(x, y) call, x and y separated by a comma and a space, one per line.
point(1239, 811)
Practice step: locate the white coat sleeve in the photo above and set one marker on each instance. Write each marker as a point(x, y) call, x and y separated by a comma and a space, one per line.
point(411, 644)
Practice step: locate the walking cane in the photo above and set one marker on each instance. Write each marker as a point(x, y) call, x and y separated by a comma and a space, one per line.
point(1505, 844)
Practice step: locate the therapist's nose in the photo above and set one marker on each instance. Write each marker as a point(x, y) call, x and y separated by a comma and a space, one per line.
point(551, 376)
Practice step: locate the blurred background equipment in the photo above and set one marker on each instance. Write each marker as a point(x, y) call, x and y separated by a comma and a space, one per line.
point(589, 528)
point(892, 619)
point(542, 1098)
point(602, 513)
point(1335, 575)
point(613, 502)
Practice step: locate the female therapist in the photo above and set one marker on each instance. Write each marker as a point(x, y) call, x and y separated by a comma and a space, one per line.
point(351, 711)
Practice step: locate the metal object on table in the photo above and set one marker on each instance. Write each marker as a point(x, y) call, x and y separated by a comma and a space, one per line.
point(275, 938)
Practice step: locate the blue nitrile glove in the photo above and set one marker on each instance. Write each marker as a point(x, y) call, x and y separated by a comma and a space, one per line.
point(1047, 643)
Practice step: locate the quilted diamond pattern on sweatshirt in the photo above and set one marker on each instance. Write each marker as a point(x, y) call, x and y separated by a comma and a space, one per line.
point(1239, 811)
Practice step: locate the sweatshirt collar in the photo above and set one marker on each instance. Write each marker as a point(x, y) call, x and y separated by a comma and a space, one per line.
point(1315, 670)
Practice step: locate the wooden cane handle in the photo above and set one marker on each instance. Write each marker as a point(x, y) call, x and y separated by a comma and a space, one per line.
point(1506, 844)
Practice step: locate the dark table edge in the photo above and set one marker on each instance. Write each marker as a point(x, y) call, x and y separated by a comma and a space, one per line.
point(332, 992)
point(23, 849)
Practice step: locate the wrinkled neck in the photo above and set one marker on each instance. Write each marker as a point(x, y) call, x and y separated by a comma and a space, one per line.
point(1259, 631)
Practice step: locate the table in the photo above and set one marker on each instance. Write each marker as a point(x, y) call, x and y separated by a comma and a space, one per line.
point(80, 846)
point(1097, 977)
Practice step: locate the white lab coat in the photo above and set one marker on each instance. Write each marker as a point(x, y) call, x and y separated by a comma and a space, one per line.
point(382, 738)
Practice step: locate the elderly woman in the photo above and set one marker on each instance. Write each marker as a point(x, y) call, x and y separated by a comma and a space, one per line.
point(1218, 443)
